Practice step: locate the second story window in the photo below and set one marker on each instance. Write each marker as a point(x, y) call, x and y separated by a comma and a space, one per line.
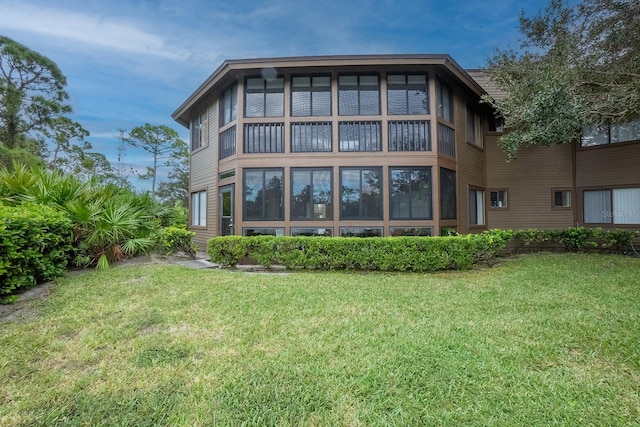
point(199, 131)
point(474, 127)
point(229, 105)
point(407, 94)
point(358, 96)
point(264, 98)
point(445, 101)
point(611, 134)
point(311, 96)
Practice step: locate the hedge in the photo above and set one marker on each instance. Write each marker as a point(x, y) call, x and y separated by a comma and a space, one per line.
point(35, 244)
point(416, 254)
point(420, 254)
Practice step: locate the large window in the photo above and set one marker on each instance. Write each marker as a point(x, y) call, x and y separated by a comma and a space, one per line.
point(407, 94)
point(263, 195)
point(228, 143)
point(360, 136)
point(229, 104)
point(360, 193)
point(199, 131)
point(311, 195)
point(474, 127)
point(311, 96)
point(358, 96)
point(310, 137)
point(618, 132)
point(476, 206)
point(445, 101)
point(617, 206)
point(409, 136)
point(410, 193)
point(264, 98)
point(199, 208)
point(264, 138)
point(448, 204)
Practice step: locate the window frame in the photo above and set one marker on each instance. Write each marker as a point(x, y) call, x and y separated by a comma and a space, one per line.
point(505, 202)
point(409, 87)
point(442, 194)
point(311, 91)
point(440, 95)
point(613, 212)
point(229, 93)
point(361, 169)
point(264, 209)
point(411, 170)
point(198, 214)
point(479, 201)
point(200, 131)
point(554, 192)
point(311, 170)
point(359, 88)
point(474, 128)
point(264, 91)
point(610, 133)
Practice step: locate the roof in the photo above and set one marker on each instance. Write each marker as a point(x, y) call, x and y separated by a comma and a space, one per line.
point(490, 86)
point(231, 67)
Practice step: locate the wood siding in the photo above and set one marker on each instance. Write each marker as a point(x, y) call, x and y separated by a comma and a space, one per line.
point(612, 165)
point(530, 180)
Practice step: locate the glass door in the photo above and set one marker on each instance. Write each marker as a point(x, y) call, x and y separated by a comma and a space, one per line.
point(226, 210)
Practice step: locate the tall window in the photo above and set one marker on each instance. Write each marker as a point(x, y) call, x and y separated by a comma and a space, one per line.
point(263, 195)
point(264, 98)
point(446, 140)
point(360, 136)
point(474, 128)
point(476, 206)
point(611, 134)
point(199, 131)
point(310, 137)
point(228, 143)
point(311, 96)
point(409, 136)
point(311, 195)
point(617, 206)
point(358, 96)
point(360, 191)
point(407, 94)
point(448, 204)
point(410, 193)
point(264, 138)
point(229, 104)
point(445, 101)
point(199, 208)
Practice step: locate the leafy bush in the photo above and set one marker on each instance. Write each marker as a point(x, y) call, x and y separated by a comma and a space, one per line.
point(176, 239)
point(574, 239)
point(353, 253)
point(35, 244)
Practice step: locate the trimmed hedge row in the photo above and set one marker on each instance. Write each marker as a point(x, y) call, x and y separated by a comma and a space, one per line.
point(418, 254)
point(353, 253)
point(35, 244)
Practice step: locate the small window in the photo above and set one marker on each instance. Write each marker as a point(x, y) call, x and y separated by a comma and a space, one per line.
point(263, 231)
point(498, 198)
point(361, 231)
point(228, 174)
point(562, 198)
point(322, 232)
point(496, 124)
point(411, 231)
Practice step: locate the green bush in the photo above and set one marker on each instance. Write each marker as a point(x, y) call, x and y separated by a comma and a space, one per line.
point(35, 245)
point(574, 239)
point(176, 239)
point(364, 254)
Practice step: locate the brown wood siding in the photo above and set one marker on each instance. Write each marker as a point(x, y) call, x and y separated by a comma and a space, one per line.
point(204, 176)
point(608, 166)
point(529, 181)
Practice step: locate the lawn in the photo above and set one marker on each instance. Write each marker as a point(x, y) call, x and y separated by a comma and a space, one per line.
point(538, 340)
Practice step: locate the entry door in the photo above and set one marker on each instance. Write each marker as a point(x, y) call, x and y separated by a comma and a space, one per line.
point(226, 210)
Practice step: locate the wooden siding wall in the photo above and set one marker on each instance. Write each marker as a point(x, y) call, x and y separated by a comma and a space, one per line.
point(529, 181)
point(204, 176)
point(471, 169)
point(608, 166)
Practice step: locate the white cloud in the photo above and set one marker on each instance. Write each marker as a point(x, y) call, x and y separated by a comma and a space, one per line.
point(101, 32)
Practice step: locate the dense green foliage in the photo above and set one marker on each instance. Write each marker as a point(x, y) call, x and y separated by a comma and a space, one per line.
point(409, 253)
point(35, 243)
point(353, 253)
point(173, 239)
point(578, 68)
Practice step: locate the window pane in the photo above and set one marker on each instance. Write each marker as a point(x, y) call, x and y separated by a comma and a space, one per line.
point(322, 194)
point(360, 136)
point(369, 102)
point(446, 140)
point(301, 104)
point(597, 207)
point(397, 101)
point(371, 203)
point(410, 193)
point(274, 105)
point(447, 194)
point(350, 193)
point(595, 135)
point(321, 103)
point(348, 102)
point(301, 206)
point(253, 194)
point(273, 195)
point(622, 132)
point(626, 206)
point(409, 136)
point(254, 105)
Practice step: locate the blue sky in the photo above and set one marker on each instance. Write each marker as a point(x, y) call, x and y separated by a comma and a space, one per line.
point(130, 62)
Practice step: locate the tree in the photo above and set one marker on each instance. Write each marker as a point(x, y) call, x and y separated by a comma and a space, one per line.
point(32, 96)
point(160, 141)
point(578, 68)
point(177, 188)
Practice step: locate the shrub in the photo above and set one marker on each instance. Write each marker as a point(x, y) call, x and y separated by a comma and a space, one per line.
point(176, 239)
point(35, 245)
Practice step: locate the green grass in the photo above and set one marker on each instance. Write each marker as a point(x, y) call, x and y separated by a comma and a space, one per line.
point(540, 340)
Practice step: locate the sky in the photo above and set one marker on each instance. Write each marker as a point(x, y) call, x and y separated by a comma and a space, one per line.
point(131, 62)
